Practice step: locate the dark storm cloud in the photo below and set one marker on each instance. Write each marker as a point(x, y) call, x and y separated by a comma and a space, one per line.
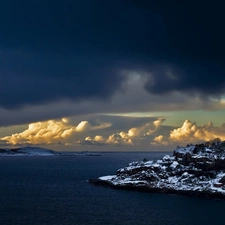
point(28, 78)
point(53, 50)
point(196, 78)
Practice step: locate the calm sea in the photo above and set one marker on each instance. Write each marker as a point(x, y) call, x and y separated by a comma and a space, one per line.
point(54, 191)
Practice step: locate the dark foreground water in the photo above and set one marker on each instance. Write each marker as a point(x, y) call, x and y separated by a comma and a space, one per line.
point(54, 191)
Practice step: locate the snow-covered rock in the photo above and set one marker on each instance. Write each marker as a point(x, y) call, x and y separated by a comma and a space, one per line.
point(193, 170)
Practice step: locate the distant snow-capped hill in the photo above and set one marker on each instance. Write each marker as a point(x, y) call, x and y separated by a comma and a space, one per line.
point(27, 151)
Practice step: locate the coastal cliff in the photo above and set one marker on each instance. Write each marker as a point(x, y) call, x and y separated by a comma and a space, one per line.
point(192, 170)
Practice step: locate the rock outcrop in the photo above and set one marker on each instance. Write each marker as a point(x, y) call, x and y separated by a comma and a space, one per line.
point(193, 170)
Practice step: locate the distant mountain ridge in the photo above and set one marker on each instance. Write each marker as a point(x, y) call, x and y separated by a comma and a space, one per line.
point(37, 151)
point(27, 151)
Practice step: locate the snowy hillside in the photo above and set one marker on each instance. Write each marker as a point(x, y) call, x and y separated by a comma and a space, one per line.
point(27, 151)
point(36, 151)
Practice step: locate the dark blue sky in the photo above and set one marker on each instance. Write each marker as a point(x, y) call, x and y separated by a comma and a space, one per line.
point(76, 50)
point(131, 73)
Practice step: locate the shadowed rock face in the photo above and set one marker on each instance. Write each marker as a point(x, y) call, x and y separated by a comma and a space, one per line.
point(193, 170)
point(202, 156)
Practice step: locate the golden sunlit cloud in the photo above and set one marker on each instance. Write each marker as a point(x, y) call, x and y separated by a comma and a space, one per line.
point(47, 132)
point(190, 132)
point(86, 126)
point(114, 139)
point(50, 132)
point(125, 138)
point(160, 140)
point(117, 139)
point(145, 130)
point(83, 126)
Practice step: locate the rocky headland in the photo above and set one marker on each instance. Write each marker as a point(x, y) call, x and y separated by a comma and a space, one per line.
point(197, 170)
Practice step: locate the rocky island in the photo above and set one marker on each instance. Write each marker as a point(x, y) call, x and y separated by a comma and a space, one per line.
point(197, 170)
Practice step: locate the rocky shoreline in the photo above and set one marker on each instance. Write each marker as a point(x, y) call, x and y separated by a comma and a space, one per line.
point(149, 189)
point(194, 170)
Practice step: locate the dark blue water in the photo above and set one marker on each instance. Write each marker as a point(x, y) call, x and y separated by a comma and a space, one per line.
point(54, 190)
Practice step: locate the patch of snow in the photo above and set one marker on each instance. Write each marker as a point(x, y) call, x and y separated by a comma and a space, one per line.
point(148, 163)
point(174, 164)
point(107, 178)
point(183, 150)
point(208, 150)
point(166, 158)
